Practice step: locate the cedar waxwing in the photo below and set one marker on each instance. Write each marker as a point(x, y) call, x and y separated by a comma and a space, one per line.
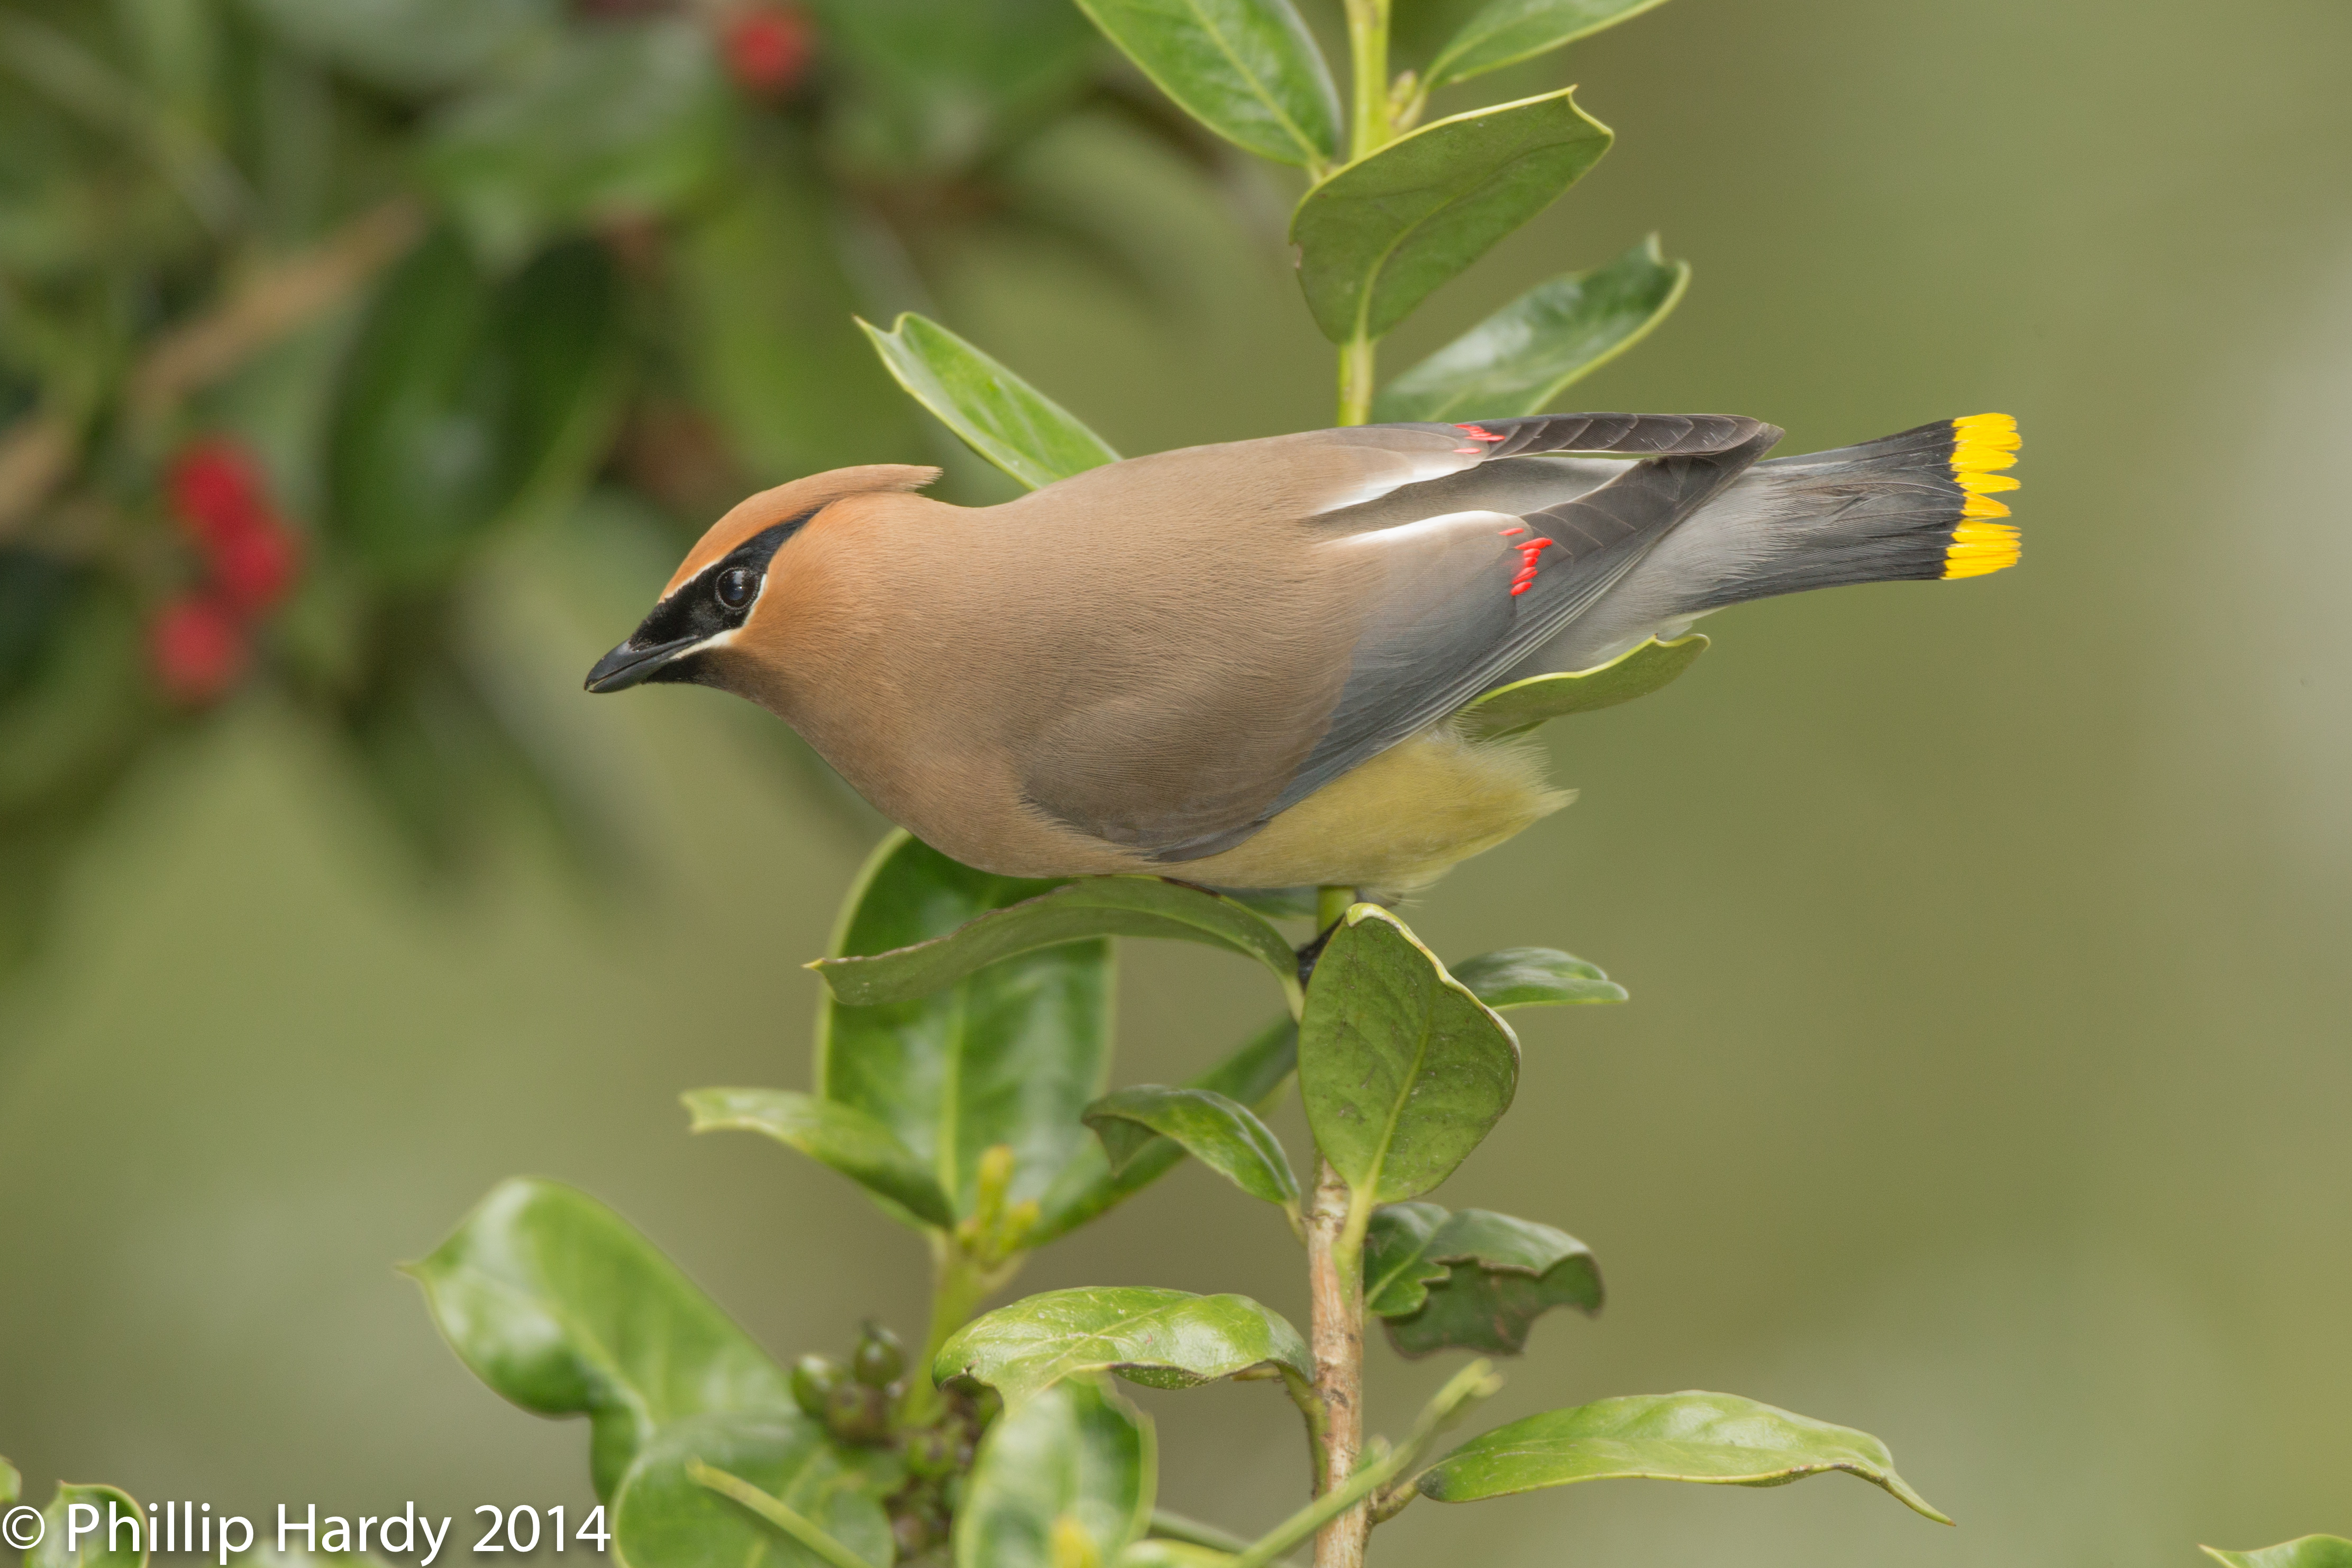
point(1238, 663)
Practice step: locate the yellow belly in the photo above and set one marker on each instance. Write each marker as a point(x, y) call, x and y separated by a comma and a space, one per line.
point(1396, 824)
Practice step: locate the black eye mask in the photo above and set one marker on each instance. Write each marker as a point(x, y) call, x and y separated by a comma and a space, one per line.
point(719, 598)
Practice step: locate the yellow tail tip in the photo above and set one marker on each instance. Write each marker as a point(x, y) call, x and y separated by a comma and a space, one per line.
point(1979, 548)
point(1982, 445)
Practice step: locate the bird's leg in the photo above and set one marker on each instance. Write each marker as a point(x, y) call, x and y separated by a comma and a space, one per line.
point(1331, 906)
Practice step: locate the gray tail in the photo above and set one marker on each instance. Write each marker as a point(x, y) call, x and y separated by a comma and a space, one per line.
point(1914, 505)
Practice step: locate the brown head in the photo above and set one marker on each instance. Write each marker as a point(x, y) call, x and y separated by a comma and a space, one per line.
point(716, 594)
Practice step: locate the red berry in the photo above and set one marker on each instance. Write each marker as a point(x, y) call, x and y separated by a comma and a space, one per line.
point(768, 48)
point(217, 489)
point(255, 567)
point(197, 650)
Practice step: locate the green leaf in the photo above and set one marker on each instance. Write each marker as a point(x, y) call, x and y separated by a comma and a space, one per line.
point(92, 1545)
point(1247, 70)
point(1076, 1462)
point(560, 1305)
point(1403, 1070)
point(1162, 1338)
point(465, 404)
point(2307, 1551)
point(1253, 1075)
point(627, 121)
point(1075, 912)
point(1222, 1133)
point(992, 410)
point(1534, 977)
point(1719, 1438)
point(1472, 1280)
point(1521, 358)
point(935, 86)
point(1009, 1054)
point(1522, 705)
point(413, 45)
point(75, 691)
point(840, 1136)
point(1275, 903)
point(767, 328)
point(12, 1485)
point(1507, 31)
point(663, 1518)
point(1376, 238)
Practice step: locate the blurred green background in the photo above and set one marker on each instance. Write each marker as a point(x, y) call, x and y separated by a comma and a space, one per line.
point(1987, 1079)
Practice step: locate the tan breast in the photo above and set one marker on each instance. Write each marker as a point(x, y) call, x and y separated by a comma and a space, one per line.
point(1125, 653)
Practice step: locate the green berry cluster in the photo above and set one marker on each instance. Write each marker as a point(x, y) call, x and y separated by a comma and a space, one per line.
point(871, 1402)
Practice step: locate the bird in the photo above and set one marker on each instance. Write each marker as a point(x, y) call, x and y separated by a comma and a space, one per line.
point(1239, 665)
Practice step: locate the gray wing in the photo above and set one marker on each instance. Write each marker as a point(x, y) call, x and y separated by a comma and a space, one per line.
point(1482, 567)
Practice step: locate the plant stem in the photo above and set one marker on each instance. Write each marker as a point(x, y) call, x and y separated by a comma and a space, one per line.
point(1334, 1279)
point(1168, 1526)
point(1368, 43)
point(1349, 1499)
point(1335, 1268)
point(1371, 128)
point(959, 1283)
point(1356, 381)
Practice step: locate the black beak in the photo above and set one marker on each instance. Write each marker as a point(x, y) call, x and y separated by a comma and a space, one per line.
point(628, 664)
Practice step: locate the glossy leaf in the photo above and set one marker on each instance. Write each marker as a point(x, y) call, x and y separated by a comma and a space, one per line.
point(625, 121)
point(1075, 912)
point(663, 1518)
point(1712, 1437)
point(560, 1305)
point(1376, 238)
point(1222, 1134)
point(1523, 704)
point(1009, 1054)
point(1076, 1460)
point(841, 1136)
point(467, 403)
point(1521, 358)
point(2306, 1551)
point(1162, 1338)
point(1403, 1070)
point(1247, 70)
point(992, 410)
point(1253, 1076)
point(1534, 977)
point(1470, 1281)
point(92, 1545)
point(413, 45)
point(1506, 31)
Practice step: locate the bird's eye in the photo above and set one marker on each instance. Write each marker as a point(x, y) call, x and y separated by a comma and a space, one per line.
point(736, 585)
